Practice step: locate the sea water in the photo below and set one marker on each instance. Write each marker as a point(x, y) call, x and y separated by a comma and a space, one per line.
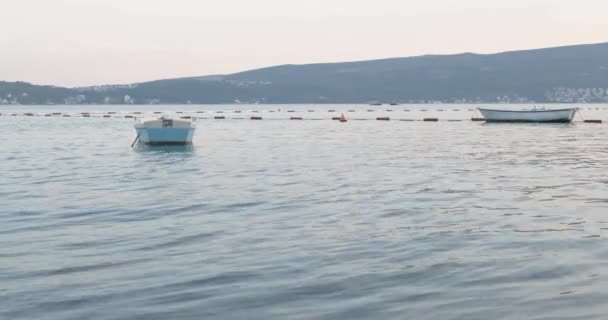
point(280, 219)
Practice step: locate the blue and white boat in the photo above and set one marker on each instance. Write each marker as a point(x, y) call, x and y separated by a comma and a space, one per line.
point(165, 131)
point(529, 115)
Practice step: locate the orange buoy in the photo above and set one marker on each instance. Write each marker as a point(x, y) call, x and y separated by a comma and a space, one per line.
point(342, 118)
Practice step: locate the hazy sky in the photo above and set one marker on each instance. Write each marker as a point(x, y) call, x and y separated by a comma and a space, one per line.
point(87, 42)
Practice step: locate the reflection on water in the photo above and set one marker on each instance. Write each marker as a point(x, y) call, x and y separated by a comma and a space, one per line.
point(146, 148)
point(529, 124)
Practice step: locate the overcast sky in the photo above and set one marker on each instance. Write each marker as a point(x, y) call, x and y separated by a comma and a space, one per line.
point(88, 42)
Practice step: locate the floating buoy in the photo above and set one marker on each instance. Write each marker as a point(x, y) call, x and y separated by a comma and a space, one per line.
point(295, 118)
point(106, 115)
point(478, 119)
point(29, 114)
point(200, 112)
point(431, 119)
point(136, 112)
point(383, 118)
point(111, 112)
point(335, 118)
point(311, 111)
point(56, 113)
point(86, 115)
point(157, 112)
point(351, 110)
point(255, 111)
point(219, 112)
point(290, 111)
point(454, 120)
point(593, 121)
point(186, 117)
point(406, 110)
point(129, 116)
point(48, 115)
point(389, 110)
point(331, 110)
point(219, 117)
point(256, 118)
point(342, 118)
point(237, 111)
point(407, 120)
point(370, 110)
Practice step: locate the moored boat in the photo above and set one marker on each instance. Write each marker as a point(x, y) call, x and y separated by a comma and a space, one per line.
point(528, 115)
point(165, 131)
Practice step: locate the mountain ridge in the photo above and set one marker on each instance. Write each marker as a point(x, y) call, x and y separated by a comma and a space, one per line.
point(575, 73)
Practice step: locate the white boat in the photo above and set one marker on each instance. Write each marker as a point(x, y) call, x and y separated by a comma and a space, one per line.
point(529, 115)
point(165, 131)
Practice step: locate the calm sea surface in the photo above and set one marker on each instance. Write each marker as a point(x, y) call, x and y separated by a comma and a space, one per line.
point(280, 219)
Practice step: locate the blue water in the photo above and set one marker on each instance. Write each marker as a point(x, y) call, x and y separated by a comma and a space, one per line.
point(303, 219)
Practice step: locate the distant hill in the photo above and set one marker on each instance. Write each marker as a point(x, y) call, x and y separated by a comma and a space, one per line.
point(563, 74)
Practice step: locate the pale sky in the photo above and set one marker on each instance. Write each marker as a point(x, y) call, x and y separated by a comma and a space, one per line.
point(92, 42)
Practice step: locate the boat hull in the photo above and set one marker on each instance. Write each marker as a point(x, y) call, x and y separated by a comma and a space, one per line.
point(541, 116)
point(165, 136)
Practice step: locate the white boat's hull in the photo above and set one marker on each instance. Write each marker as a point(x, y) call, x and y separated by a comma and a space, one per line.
point(165, 131)
point(165, 136)
point(538, 115)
